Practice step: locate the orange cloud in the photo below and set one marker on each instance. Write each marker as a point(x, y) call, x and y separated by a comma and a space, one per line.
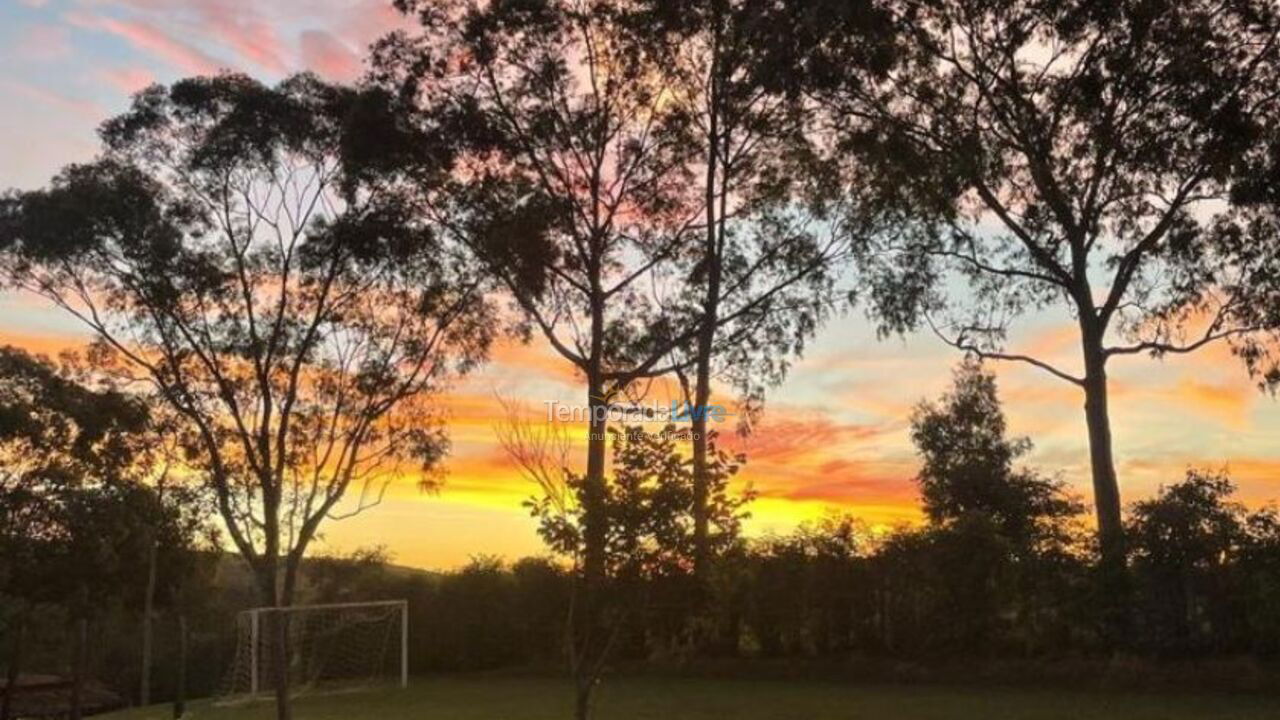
point(784, 437)
point(1058, 341)
point(1228, 402)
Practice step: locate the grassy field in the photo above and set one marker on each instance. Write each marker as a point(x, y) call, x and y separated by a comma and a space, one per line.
point(507, 698)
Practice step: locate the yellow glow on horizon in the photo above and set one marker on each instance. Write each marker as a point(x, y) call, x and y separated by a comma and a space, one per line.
point(834, 440)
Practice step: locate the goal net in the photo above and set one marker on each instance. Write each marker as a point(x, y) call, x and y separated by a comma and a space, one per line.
point(327, 645)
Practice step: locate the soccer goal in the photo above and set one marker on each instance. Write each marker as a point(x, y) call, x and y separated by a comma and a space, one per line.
point(341, 644)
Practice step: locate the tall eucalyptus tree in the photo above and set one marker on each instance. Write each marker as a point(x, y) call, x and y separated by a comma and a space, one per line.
point(762, 276)
point(1073, 155)
point(245, 252)
point(573, 193)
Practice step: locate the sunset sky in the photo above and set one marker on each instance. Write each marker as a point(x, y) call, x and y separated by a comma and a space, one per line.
point(835, 435)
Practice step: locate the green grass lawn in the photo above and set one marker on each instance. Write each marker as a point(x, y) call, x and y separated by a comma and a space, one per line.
point(507, 698)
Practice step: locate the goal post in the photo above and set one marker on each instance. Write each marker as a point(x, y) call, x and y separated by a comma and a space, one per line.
point(335, 643)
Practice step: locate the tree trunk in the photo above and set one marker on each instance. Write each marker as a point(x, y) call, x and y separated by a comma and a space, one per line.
point(595, 524)
point(268, 577)
point(80, 643)
point(701, 473)
point(1106, 489)
point(587, 630)
point(710, 312)
point(16, 651)
point(582, 701)
point(278, 642)
point(1113, 571)
point(180, 690)
point(148, 608)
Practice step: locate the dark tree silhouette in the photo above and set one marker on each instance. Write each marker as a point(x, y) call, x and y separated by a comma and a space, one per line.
point(1001, 536)
point(240, 249)
point(768, 245)
point(968, 464)
point(1074, 152)
point(79, 507)
point(1186, 541)
point(1251, 229)
point(651, 504)
point(575, 193)
point(652, 512)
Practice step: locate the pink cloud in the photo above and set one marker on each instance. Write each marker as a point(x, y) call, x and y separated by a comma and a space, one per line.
point(251, 32)
point(150, 39)
point(238, 26)
point(328, 56)
point(371, 19)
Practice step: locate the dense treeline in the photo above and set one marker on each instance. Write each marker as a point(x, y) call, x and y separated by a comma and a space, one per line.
point(829, 593)
point(1003, 568)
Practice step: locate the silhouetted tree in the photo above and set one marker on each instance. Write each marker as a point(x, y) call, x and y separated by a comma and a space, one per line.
point(1251, 229)
point(240, 248)
point(649, 501)
point(575, 193)
point(1260, 588)
point(1186, 542)
point(1073, 153)
point(802, 587)
point(768, 244)
point(78, 506)
point(1001, 535)
point(969, 464)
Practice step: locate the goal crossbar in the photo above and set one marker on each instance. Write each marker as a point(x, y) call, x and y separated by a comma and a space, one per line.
point(327, 606)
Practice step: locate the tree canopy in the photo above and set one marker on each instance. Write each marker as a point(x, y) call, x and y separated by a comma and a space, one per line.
point(1071, 155)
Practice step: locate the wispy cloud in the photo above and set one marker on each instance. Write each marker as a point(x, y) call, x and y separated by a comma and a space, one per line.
point(150, 39)
point(276, 38)
point(328, 56)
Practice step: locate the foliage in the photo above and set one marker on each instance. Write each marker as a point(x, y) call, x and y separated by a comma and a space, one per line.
point(232, 251)
point(651, 546)
point(1073, 155)
point(773, 236)
point(649, 502)
point(1205, 567)
point(573, 195)
point(78, 513)
point(87, 510)
point(968, 465)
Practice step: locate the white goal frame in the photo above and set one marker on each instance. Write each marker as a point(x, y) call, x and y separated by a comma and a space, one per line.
point(255, 626)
